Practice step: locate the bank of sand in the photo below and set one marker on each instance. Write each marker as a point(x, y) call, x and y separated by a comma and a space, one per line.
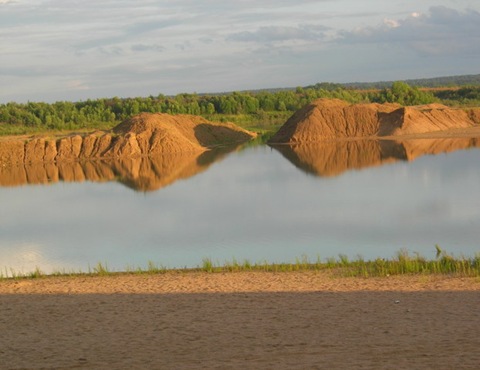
point(246, 320)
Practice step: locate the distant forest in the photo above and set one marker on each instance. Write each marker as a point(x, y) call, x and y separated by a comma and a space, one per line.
point(450, 81)
point(252, 109)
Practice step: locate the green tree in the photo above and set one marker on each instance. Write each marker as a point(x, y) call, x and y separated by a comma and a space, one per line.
point(404, 94)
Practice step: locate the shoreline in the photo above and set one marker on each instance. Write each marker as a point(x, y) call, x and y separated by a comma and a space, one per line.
point(194, 281)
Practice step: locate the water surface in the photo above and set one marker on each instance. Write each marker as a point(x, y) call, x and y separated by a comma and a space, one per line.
point(261, 203)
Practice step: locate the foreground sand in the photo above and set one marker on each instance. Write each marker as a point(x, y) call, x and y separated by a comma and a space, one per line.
point(240, 321)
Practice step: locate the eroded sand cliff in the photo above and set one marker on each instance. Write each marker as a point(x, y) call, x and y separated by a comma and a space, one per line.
point(145, 135)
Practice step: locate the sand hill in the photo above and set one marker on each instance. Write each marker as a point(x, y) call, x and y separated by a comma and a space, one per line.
point(145, 135)
point(333, 119)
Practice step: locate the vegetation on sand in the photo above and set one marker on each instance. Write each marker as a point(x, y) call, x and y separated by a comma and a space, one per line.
point(403, 264)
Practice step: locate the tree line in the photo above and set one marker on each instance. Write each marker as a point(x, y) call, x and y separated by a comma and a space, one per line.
point(435, 82)
point(255, 106)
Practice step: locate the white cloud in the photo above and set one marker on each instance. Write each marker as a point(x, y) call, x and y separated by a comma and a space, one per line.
point(442, 31)
point(77, 85)
point(391, 23)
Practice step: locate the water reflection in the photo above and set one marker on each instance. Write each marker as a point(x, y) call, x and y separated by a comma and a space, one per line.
point(140, 174)
point(332, 158)
point(252, 205)
point(325, 159)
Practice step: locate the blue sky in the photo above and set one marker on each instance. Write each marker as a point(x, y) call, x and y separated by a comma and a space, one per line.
point(74, 50)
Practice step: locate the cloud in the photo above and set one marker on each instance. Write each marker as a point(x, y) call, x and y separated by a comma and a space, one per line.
point(145, 47)
point(270, 34)
point(391, 23)
point(442, 31)
point(139, 28)
point(77, 85)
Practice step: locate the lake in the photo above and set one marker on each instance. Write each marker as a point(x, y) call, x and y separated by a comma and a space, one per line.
point(358, 198)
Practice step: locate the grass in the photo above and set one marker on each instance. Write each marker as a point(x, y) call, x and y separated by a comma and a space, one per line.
point(403, 264)
point(15, 130)
point(264, 121)
point(258, 122)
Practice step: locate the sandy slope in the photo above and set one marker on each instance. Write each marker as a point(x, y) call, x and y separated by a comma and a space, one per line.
point(240, 320)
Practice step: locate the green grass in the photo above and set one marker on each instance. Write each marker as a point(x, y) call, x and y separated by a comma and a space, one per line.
point(101, 269)
point(403, 264)
point(12, 130)
point(255, 121)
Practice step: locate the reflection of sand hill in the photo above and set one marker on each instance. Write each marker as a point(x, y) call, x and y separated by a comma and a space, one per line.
point(418, 147)
point(331, 158)
point(333, 118)
point(141, 136)
point(147, 174)
point(140, 173)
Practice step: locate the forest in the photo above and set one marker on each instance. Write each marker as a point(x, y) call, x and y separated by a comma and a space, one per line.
point(259, 110)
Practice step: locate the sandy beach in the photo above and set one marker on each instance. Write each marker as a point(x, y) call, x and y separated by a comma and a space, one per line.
point(247, 320)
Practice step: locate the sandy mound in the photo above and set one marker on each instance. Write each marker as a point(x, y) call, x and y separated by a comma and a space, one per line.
point(145, 135)
point(333, 118)
point(180, 133)
point(422, 119)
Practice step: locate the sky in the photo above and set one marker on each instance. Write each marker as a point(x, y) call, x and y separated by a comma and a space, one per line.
point(55, 50)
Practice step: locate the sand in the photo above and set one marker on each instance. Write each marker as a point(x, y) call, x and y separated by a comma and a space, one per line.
point(144, 135)
point(326, 119)
point(302, 320)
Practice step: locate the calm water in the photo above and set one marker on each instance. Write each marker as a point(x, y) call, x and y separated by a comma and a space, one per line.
point(258, 204)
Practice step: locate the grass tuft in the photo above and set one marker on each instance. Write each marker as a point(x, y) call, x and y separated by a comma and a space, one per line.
point(35, 274)
point(101, 269)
